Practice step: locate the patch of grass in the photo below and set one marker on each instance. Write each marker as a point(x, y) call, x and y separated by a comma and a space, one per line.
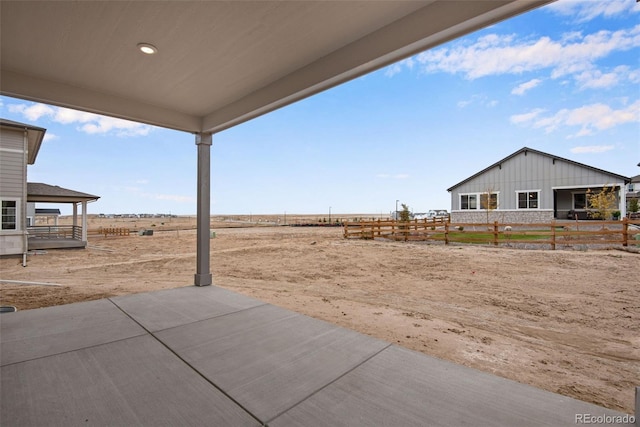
point(487, 237)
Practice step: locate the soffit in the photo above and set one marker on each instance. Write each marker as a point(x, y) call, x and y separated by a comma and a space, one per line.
point(219, 62)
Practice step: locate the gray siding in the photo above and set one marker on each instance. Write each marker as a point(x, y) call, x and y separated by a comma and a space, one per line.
point(530, 171)
point(12, 139)
point(12, 164)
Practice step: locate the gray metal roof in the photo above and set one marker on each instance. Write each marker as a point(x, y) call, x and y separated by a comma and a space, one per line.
point(527, 149)
point(46, 211)
point(39, 192)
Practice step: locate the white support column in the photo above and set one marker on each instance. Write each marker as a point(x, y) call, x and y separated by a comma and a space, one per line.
point(84, 221)
point(203, 272)
point(75, 214)
point(622, 196)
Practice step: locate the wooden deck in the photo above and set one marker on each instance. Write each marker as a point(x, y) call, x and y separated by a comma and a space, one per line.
point(60, 243)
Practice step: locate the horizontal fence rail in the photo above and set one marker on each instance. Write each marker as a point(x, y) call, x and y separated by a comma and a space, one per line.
point(561, 233)
point(110, 231)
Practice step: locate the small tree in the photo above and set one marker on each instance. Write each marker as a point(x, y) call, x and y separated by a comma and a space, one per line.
point(602, 203)
point(633, 205)
point(489, 201)
point(405, 215)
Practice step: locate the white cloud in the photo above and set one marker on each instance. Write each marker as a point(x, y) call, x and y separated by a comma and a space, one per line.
point(88, 122)
point(590, 118)
point(524, 87)
point(483, 100)
point(526, 117)
point(583, 11)
point(401, 176)
point(495, 54)
point(595, 79)
point(396, 68)
point(592, 149)
point(50, 137)
point(32, 112)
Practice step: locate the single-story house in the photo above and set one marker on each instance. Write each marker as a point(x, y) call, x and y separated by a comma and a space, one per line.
point(19, 146)
point(35, 215)
point(530, 186)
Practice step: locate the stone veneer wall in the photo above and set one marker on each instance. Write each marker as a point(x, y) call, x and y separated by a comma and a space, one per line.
point(503, 217)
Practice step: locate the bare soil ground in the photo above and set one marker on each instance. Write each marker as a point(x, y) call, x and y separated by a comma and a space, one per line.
point(565, 321)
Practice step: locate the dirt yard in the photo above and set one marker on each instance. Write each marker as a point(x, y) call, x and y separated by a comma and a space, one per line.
point(565, 321)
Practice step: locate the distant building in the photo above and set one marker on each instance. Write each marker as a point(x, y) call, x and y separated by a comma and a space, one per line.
point(531, 186)
point(19, 144)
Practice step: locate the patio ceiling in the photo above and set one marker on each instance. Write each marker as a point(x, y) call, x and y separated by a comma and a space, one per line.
point(219, 63)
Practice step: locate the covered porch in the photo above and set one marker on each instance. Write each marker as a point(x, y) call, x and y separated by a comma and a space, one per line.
point(58, 236)
point(572, 202)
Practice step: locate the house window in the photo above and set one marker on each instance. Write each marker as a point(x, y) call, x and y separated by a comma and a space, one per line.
point(489, 201)
point(468, 201)
point(579, 200)
point(477, 201)
point(528, 199)
point(9, 215)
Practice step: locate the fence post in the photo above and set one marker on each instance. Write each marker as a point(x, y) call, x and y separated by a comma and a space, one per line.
point(495, 233)
point(446, 233)
point(553, 234)
point(625, 231)
point(345, 226)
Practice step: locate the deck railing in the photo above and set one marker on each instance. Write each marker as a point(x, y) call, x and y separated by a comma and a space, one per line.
point(55, 232)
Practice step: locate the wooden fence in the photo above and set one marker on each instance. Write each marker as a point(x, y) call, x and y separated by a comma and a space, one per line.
point(109, 231)
point(556, 233)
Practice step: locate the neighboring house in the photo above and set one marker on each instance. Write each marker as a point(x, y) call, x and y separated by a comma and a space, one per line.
point(530, 186)
point(35, 215)
point(19, 146)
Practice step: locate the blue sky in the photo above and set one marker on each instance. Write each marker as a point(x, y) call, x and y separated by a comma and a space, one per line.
point(563, 79)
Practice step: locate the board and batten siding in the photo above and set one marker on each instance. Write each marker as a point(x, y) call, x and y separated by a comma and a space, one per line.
point(530, 171)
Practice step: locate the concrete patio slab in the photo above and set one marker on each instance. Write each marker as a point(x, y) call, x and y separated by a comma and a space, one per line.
point(43, 332)
point(207, 356)
point(174, 307)
point(131, 382)
point(399, 387)
point(267, 358)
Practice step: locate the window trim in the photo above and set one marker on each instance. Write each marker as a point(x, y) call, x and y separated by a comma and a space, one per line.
point(518, 192)
point(477, 196)
point(18, 222)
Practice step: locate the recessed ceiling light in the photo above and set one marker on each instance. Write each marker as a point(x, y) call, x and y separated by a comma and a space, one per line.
point(147, 48)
